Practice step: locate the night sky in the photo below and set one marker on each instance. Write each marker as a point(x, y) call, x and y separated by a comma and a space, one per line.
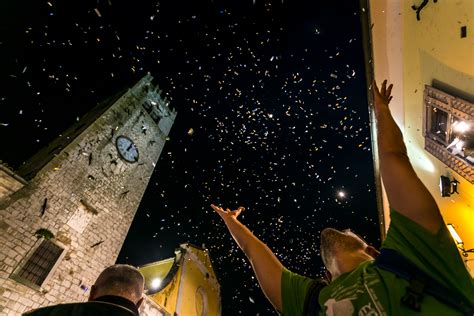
point(274, 92)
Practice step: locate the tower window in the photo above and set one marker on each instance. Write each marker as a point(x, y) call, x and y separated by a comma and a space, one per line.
point(148, 106)
point(36, 269)
point(155, 116)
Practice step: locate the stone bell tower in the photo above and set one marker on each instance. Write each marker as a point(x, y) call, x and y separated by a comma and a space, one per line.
point(65, 213)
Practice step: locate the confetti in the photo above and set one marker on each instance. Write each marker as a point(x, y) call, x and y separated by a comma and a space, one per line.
point(97, 12)
point(281, 129)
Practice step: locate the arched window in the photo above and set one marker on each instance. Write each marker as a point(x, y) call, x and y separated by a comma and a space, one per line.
point(201, 302)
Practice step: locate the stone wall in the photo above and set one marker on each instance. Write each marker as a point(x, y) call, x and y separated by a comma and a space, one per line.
point(9, 182)
point(150, 308)
point(87, 197)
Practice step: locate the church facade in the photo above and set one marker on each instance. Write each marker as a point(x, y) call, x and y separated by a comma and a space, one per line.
point(182, 285)
point(65, 213)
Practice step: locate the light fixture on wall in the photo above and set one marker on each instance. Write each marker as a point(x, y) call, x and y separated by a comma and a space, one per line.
point(155, 283)
point(458, 240)
point(460, 127)
point(447, 186)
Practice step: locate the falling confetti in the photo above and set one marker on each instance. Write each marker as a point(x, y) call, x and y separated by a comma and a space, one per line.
point(97, 12)
point(273, 91)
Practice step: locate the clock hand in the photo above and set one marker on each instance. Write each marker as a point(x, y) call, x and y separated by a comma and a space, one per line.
point(129, 147)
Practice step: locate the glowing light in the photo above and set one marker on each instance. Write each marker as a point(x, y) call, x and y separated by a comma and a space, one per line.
point(454, 234)
point(156, 283)
point(460, 127)
point(460, 145)
point(454, 142)
point(341, 194)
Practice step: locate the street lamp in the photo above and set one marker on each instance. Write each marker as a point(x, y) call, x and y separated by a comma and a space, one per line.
point(155, 283)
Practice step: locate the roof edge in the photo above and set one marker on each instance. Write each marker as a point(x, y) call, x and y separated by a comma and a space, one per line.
point(366, 27)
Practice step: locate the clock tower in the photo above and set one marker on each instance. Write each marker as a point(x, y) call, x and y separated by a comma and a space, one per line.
point(65, 213)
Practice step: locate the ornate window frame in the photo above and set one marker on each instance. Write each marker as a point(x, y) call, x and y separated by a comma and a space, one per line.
point(439, 144)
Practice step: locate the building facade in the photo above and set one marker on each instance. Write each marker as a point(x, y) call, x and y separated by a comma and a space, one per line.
point(425, 48)
point(185, 285)
point(65, 213)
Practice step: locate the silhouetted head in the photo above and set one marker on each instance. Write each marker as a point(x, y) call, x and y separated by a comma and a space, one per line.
point(119, 280)
point(342, 251)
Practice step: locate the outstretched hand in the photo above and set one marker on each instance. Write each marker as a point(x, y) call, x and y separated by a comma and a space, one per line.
point(382, 96)
point(227, 213)
point(266, 265)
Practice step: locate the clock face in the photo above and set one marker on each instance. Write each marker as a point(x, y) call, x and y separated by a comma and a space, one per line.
point(127, 149)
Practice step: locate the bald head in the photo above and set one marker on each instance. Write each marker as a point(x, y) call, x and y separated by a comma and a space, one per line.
point(119, 280)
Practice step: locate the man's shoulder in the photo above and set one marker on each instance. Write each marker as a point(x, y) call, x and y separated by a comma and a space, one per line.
point(82, 308)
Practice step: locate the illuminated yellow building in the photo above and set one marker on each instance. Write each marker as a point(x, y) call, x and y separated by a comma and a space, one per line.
point(430, 60)
point(185, 285)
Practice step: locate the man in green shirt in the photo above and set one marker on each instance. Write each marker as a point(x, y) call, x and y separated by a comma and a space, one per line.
point(358, 286)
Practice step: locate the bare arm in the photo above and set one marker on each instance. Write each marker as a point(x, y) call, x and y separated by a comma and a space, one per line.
point(405, 192)
point(265, 264)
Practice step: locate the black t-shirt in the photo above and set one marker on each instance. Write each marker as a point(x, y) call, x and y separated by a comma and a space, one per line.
point(104, 305)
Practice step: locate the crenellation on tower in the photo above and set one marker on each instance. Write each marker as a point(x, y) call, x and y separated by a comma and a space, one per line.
point(83, 188)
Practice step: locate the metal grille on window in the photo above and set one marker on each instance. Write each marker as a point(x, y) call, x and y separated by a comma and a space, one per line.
point(40, 263)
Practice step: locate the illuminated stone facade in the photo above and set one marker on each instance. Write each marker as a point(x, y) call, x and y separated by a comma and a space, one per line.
point(83, 191)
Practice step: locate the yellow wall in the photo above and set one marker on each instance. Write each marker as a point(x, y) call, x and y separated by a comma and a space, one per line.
point(168, 296)
point(154, 270)
point(195, 278)
point(413, 53)
point(195, 274)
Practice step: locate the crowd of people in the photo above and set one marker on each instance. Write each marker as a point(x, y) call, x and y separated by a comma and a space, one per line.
point(418, 270)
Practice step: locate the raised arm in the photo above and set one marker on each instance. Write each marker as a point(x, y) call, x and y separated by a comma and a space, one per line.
point(265, 264)
point(406, 193)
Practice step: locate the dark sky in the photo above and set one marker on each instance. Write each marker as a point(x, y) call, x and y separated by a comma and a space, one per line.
point(275, 94)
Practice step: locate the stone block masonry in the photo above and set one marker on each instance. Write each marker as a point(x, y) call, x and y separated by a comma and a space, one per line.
point(86, 195)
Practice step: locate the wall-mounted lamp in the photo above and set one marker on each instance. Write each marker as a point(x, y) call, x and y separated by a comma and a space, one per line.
point(155, 283)
point(448, 187)
point(458, 240)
